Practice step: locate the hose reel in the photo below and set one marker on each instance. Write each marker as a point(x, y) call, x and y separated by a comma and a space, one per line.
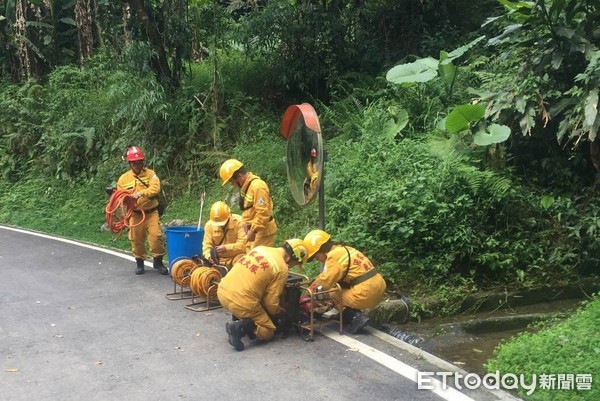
point(204, 282)
point(182, 270)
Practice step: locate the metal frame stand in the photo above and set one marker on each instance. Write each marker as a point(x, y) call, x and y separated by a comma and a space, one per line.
point(203, 304)
point(181, 294)
point(305, 280)
point(178, 293)
point(313, 324)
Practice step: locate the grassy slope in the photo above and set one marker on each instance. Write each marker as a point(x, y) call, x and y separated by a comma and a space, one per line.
point(568, 347)
point(77, 210)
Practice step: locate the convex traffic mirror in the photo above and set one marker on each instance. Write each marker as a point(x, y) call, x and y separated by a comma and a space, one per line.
point(300, 126)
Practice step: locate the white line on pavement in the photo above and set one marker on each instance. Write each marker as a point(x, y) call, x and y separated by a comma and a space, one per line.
point(68, 241)
point(394, 364)
point(397, 366)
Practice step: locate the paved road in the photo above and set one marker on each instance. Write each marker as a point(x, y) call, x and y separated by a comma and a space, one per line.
point(77, 324)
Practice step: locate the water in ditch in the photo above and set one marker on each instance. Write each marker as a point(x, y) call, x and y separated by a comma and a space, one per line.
point(469, 340)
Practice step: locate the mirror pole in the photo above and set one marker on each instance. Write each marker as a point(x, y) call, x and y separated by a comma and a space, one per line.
point(322, 197)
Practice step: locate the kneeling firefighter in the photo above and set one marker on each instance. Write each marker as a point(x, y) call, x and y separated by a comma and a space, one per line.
point(362, 284)
point(252, 290)
point(225, 239)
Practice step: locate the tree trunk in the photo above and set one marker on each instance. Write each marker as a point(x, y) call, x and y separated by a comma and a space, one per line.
point(85, 38)
point(160, 63)
point(97, 27)
point(126, 19)
point(595, 157)
point(21, 39)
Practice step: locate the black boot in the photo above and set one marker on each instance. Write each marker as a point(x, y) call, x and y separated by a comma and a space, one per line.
point(248, 328)
point(140, 266)
point(158, 264)
point(354, 320)
point(235, 332)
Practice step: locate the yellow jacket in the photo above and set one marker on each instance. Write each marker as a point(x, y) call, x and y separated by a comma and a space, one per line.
point(312, 172)
point(257, 206)
point(232, 236)
point(339, 269)
point(256, 280)
point(149, 192)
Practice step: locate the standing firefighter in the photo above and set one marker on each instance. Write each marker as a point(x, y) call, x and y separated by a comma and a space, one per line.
point(362, 285)
point(144, 186)
point(224, 236)
point(255, 202)
point(252, 290)
point(312, 174)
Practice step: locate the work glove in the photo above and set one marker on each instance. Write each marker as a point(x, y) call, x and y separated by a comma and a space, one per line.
point(109, 190)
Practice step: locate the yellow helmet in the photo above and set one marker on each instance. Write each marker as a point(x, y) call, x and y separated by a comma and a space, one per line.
point(299, 249)
point(228, 168)
point(219, 213)
point(314, 240)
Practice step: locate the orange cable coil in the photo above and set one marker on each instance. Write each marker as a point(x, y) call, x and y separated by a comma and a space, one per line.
point(119, 211)
point(204, 281)
point(182, 270)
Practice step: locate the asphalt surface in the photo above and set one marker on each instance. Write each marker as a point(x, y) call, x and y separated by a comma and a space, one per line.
point(77, 324)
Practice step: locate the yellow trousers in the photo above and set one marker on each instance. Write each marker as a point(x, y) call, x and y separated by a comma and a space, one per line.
point(148, 229)
point(229, 262)
point(261, 240)
point(264, 237)
point(366, 295)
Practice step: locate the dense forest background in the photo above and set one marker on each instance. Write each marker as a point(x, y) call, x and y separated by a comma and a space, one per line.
point(461, 135)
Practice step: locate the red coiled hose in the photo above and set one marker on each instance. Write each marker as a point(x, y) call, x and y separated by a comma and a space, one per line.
point(119, 210)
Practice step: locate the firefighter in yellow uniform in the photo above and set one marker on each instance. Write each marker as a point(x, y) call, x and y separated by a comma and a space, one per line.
point(144, 186)
point(224, 239)
point(312, 174)
point(362, 284)
point(252, 290)
point(255, 202)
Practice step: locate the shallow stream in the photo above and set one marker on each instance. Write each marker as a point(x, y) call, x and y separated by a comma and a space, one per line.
point(469, 340)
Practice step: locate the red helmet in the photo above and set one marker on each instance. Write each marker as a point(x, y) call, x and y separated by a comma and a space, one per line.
point(313, 153)
point(134, 154)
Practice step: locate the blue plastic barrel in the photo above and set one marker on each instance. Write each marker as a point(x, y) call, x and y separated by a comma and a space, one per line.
point(183, 242)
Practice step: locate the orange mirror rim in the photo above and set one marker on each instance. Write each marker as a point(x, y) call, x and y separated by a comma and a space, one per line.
point(293, 114)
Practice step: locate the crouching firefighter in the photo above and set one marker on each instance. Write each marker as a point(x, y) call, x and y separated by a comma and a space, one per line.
point(253, 288)
point(225, 239)
point(362, 284)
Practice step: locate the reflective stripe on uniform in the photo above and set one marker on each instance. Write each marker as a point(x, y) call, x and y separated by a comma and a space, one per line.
point(129, 185)
point(247, 197)
point(343, 261)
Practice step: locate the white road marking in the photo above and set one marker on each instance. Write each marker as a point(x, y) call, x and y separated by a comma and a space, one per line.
point(394, 364)
point(82, 244)
point(397, 366)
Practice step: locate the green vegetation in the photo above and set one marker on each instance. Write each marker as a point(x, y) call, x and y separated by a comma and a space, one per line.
point(456, 171)
point(568, 347)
